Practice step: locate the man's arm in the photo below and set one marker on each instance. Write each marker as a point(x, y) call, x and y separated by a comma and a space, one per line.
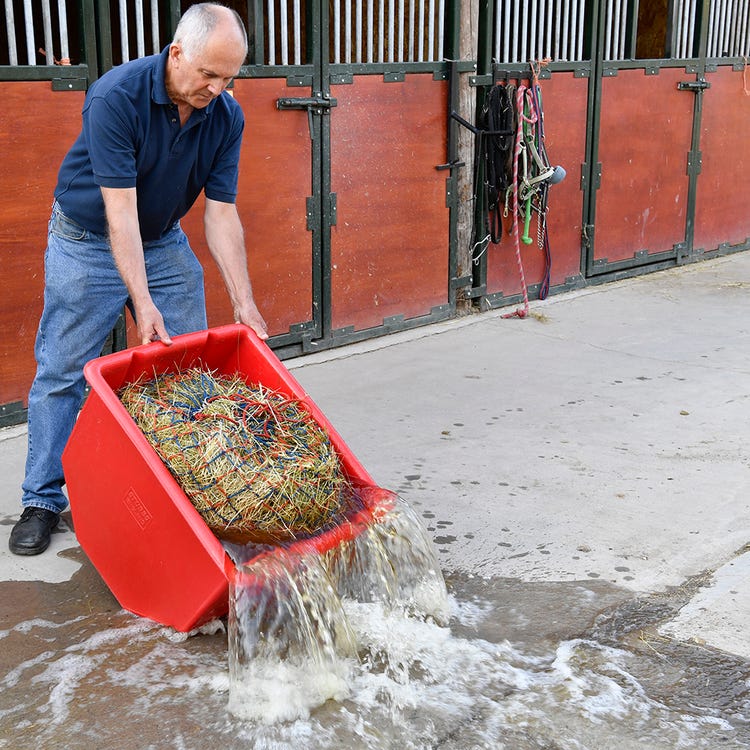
point(226, 243)
point(127, 249)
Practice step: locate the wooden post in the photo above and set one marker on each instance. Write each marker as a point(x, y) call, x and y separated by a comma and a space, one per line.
point(468, 47)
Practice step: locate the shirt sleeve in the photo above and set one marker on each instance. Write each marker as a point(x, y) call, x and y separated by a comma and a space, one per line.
point(221, 184)
point(111, 140)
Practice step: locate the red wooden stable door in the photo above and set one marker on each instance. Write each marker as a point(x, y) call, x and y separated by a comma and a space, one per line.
point(644, 139)
point(389, 246)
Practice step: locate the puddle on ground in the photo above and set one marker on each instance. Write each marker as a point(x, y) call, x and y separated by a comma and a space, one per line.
point(522, 666)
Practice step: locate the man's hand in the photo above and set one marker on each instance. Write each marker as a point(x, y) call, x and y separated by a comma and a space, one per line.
point(250, 316)
point(151, 325)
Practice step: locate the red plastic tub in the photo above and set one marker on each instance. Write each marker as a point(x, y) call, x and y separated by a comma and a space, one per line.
point(132, 519)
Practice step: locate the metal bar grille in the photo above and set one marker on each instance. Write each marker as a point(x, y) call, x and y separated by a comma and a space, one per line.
point(616, 22)
point(384, 31)
point(728, 28)
point(683, 28)
point(43, 33)
point(535, 29)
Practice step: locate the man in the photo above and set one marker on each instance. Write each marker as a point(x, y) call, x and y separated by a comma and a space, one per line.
point(156, 132)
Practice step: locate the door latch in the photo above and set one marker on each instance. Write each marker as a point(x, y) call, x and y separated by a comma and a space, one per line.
point(696, 86)
point(315, 105)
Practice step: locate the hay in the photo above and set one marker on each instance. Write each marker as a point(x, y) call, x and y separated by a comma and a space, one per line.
point(253, 462)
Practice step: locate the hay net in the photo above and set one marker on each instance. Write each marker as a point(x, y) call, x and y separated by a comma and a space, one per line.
point(254, 462)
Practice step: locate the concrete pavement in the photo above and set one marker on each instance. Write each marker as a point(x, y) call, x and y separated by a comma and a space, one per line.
point(604, 438)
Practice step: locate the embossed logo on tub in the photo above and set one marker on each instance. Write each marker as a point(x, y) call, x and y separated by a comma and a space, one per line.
point(138, 510)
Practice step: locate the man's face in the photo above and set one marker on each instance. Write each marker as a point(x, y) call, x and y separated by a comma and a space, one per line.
point(196, 82)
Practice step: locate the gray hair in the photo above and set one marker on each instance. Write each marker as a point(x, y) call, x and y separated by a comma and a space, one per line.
point(196, 26)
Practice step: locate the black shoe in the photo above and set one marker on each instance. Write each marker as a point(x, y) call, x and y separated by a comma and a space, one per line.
point(31, 534)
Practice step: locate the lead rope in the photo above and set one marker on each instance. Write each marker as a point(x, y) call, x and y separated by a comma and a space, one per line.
point(520, 94)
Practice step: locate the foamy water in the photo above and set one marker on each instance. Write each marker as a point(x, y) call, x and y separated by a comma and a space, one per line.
point(414, 685)
point(386, 670)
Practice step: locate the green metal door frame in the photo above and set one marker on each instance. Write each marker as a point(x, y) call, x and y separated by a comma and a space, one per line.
point(694, 158)
point(591, 176)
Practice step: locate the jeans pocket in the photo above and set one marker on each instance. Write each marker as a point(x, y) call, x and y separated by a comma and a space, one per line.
point(62, 226)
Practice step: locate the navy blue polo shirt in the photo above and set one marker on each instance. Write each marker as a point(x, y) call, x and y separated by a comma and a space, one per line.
point(131, 137)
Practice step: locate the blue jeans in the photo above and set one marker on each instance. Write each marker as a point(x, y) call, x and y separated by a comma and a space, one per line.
point(83, 297)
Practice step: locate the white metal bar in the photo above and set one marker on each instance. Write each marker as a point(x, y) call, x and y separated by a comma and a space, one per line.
point(725, 26)
point(733, 28)
point(441, 29)
point(565, 31)
point(155, 31)
point(358, 32)
point(370, 29)
point(155, 41)
point(532, 31)
point(573, 28)
point(581, 30)
point(10, 28)
point(548, 11)
point(412, 11)
point(29, 24)
point(49, 52)
point(608, 32)
point(62, 25)
point(540, 31)
point(711, 23)
point(722, 28)
point(284, 32)
point(623, 30)
point(124, 39)
point(297, 38)
point(337, 31)
point(680, 23)
point(271, 11)
point(717, 28)
point(744, 46)
point(401, 19)
point(690, 28)
point(524, 31)
point(688, 22)
point(430, 54)
point(558, 26)
point(391, 30)
point(348, 31)
point(616, 30)
point(140, 36)
point(420, 35)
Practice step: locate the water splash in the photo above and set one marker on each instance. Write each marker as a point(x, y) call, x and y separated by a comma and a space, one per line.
point(292, 645)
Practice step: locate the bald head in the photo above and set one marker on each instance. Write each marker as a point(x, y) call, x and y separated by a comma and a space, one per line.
point(206, 22)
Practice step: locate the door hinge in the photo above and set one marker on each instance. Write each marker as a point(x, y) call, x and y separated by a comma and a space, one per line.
point(312, 214)
point(694, 162)
point(332, 208)
point(596, 176)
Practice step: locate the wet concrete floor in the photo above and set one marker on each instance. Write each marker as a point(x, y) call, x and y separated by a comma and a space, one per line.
point(561, 664)
point(585, 479)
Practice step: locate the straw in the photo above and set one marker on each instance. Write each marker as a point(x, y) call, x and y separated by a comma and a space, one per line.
point(253, 462)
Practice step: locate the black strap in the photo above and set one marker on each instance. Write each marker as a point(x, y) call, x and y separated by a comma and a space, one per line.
point(497, 122)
